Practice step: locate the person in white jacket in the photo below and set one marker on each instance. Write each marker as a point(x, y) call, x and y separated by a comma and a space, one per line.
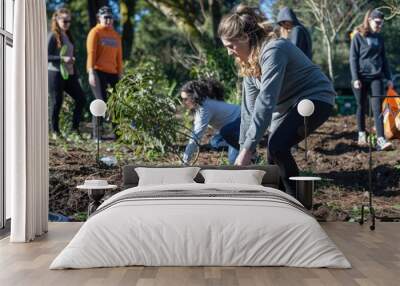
point(205, 98)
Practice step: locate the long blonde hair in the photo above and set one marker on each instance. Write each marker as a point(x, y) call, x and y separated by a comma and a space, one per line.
point(247, 22)
point(56, 29)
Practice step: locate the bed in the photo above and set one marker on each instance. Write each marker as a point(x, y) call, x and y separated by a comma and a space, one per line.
point(201, 224)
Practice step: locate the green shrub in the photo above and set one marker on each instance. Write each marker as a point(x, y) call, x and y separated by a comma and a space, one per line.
point(143, 104)
point(219, 65)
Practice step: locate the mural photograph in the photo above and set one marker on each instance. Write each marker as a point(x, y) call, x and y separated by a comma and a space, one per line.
point(196, 142)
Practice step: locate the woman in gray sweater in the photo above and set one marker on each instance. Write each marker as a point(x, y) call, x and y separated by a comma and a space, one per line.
point(277, 76)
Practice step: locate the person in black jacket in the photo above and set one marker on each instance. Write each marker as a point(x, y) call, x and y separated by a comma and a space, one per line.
point(62, 73)
point(292, 29)
point(369, 67)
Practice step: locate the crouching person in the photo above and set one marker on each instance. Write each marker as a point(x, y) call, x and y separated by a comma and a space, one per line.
point(205, 99)
point(277, 76)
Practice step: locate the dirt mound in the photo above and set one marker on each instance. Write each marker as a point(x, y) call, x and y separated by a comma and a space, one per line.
point(333, 155)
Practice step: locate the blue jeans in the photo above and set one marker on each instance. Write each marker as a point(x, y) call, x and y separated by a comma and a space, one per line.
point(230, 133)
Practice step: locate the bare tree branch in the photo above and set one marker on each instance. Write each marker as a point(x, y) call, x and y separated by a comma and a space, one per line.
point(332, 17)
point(393, 8)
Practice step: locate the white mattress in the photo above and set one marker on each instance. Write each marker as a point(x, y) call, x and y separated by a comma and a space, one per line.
point(202, 231)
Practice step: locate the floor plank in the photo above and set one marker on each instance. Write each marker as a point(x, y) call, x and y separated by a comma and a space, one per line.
point(375, 257)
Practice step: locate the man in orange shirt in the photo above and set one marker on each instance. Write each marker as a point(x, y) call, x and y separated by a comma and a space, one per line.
point(104, 60)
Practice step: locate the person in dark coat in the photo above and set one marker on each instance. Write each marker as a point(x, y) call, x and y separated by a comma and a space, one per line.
point(62, 72)
point(369, 67)
point(293, 30)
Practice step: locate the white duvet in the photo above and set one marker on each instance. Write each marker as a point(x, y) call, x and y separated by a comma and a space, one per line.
point(206, 230)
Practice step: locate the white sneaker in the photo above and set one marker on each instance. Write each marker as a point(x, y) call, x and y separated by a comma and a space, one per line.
point(383, 145)
point(362, 138)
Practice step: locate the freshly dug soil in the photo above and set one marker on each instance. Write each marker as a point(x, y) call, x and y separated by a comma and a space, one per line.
point(333, 155)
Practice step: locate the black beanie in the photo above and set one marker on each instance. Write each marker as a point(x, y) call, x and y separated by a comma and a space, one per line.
point(376, 14)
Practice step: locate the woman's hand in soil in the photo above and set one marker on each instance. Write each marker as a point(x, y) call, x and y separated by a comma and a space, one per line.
point(243, 158)
point(357, 84)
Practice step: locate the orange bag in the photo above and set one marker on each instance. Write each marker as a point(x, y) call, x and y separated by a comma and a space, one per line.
point(391, 115)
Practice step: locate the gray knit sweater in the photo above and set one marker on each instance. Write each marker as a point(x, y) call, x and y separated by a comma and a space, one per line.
point(287, 76)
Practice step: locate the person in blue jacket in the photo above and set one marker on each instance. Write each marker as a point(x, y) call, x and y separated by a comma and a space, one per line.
point(369, 67)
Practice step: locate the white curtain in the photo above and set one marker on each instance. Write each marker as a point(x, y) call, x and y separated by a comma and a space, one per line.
point(26, 123)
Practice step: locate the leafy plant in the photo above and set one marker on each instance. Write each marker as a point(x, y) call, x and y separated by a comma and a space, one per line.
point(143, 104)
point(63, 68)
point(80, 216)
point(355, 214)
point(219, 65)
point(334, 206)
point(373, 139)
point(65, 117)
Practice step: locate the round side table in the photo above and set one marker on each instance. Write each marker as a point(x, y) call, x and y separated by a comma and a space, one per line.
point(305, 187)
point(95, 193)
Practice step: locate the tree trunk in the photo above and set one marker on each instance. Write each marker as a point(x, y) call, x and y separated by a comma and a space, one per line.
point(127, 10)
point(93, 7)
point(177, 14)
point(215, 17)
point(330, 59)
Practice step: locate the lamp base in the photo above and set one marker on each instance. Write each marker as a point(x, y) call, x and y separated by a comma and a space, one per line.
point(305, 187)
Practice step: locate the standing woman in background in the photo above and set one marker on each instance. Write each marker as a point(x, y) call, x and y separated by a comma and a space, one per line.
point(369, 67)
point(104, 56)
point(277, 76)
point(62, 72)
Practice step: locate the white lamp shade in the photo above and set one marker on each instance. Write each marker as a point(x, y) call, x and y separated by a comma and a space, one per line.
point(98, 107)
point(305, 107)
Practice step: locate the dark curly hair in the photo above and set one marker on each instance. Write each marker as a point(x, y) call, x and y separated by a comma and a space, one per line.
point(201, 89)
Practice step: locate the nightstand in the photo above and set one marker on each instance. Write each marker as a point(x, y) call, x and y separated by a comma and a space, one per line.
point(305, 187)
point(95, 190)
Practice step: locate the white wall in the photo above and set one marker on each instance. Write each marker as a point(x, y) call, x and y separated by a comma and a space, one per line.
point(9, 12)
point(8, 62)
point(7, 81)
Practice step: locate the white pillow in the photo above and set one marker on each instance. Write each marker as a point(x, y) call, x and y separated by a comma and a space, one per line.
point(248, 177)
point(166, 176)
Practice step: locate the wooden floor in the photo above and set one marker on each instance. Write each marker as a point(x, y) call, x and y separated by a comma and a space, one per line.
point(375, 256)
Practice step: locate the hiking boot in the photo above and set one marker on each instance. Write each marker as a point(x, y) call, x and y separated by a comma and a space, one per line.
point(383, 145)
point(362, 139)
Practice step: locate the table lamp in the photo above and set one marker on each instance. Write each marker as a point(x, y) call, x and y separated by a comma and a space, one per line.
point(305, 109)
point(98, 108)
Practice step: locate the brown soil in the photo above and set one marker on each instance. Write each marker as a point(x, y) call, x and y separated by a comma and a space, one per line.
point(333, 155)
